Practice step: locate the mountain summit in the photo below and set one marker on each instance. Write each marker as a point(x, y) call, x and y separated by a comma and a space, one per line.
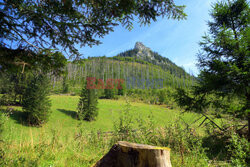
point(141, 52)
point(140, 46)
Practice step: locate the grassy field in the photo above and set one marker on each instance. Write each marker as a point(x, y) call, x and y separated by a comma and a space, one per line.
point(63, 118)
point(55, 143)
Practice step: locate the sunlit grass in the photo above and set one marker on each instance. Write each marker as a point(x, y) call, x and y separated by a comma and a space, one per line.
point(56, 142)
point(63, 118)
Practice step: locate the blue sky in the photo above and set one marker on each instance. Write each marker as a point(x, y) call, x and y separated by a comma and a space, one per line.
point(176, 40)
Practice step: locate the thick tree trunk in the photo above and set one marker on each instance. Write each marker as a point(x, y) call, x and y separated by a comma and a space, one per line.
point(124, 154)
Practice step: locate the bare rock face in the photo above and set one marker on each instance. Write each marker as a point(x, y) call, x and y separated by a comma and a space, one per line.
point(125, 154)
point(143, 51)
point(139, 46)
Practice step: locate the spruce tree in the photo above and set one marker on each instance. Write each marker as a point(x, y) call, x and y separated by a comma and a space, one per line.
point(87, 106)
point(224, 63)
point(224, 58)
point(36, 101)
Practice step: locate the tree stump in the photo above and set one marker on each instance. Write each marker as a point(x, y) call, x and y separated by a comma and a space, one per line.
point(125, 154)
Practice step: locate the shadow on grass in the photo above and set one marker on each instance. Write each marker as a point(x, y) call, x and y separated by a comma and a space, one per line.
point(217, 147)
point(18, 116)
point(71, 113)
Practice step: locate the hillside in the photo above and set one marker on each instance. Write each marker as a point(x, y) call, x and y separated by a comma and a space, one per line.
point(141, 52)
point(140, 64)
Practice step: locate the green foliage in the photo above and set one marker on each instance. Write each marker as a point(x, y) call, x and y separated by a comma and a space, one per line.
point(161, 96)
point(65, 85)
point(224, 59)
point(36, 101)
point(1, 124)
point(109, 93)
point(3, 119)
point(239, 148)
point(182, 140)
point(62, 143)
point(121, 91)
point(199, 103)
point(224, 63)
point(227, 145)
point(87, 106)
point(22, 61)
point(158, 60)
point(30, 23)
point(17, 67)
point(124, 126)
point(12, 86)
point(141, 74)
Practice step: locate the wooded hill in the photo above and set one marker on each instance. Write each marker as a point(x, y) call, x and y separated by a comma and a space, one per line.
point(139, 64)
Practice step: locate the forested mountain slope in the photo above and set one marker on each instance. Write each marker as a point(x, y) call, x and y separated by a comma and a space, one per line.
point(138, 65)
point(141, 52)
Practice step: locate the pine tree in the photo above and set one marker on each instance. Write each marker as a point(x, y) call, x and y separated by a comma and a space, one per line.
point(87, 106)
point(36, 101)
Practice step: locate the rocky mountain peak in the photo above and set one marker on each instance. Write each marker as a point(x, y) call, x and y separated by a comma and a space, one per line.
point(140, 46)
point(142, 51)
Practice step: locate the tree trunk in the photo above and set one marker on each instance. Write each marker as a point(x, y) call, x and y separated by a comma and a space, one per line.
point(124, 154)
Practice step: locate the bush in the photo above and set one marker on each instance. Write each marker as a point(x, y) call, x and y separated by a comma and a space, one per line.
point(109, 93)
point(239, 150)
point(36, 101)
point(121, 90)
point(87, 106)
point(123, 128)
point(161, 96)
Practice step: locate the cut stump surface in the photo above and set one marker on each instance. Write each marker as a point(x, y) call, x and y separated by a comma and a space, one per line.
point(125, 154)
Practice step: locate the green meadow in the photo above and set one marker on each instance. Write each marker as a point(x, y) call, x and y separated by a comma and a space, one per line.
point(66, 141)
point(63, 118)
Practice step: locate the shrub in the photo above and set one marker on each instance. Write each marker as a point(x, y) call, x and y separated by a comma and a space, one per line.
point(124, 126)
point(239, 150)
point(161, 96)
point(121, 90)
point(36, 101)
point(87, 106)
point(109, 93)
